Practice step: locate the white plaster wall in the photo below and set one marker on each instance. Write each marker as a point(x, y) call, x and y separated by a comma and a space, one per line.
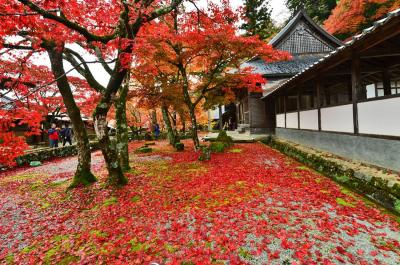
point(292, 120)
point(215, 112)
point(380, 117)
point(309, 120)
point(337, 119)
point(280, 120)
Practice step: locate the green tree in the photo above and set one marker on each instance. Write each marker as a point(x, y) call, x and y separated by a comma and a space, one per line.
point(318, 10)
point(258, 20)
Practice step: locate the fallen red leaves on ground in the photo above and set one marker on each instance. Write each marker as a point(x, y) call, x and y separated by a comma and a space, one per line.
point(248, 205)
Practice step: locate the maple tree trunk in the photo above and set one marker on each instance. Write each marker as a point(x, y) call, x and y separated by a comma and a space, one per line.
point(182, 116)
point(171, 133)
point(195, 136)
point(122, 127)
point(83, 175)
point(115, 173)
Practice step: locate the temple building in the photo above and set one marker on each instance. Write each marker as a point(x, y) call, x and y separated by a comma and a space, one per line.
point(307, 42)
point(347, 102)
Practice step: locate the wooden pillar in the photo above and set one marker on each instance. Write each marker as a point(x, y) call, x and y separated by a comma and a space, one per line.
point(284, 108)
point(220, 117)
point(386, 82)
point(355, 88)
point(318, 87)
point(298, 109)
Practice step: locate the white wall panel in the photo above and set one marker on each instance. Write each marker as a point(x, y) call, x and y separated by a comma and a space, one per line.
point(309, 120)
point(280, 120)
point(337, 119)
point(292, 120)
point(380, 117)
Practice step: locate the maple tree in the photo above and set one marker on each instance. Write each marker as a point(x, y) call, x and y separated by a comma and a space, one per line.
point(203, 52)
point(33, 96)
point(350, 17)
point(25, 33)
point(102, 28)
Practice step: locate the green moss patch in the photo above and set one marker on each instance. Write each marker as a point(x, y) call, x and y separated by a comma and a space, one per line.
point(110, 201)
point(342, 202)
point(235, 150)
point(135, 198)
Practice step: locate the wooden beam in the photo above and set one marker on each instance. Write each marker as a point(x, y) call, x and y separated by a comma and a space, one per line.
point(355, 87)
point(381, 52)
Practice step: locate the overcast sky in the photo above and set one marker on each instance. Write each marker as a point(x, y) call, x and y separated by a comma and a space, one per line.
point(279, 13)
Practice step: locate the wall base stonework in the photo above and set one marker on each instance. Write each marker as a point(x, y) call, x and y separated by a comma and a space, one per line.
point(376, 151)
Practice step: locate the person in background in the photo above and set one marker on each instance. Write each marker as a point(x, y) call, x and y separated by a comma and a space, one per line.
point(156, 130)
point(66, 132)
point(53, 136)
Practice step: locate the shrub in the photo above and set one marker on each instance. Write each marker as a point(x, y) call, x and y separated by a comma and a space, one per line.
point(205, 153)
point(217, 147)
point(144, 149)
point(224, 138)
point(179, 146)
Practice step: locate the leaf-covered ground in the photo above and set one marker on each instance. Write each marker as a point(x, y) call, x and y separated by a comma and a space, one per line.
point(249, 205)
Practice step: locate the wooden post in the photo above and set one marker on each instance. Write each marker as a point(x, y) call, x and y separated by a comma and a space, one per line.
point(318, 87)
point(355, 88)
point(284, 108)
point(386, 82)
point(298, 109)
point(220, 117)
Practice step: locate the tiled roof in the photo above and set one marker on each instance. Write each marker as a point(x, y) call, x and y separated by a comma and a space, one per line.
point(6, 103)
point(282, 68)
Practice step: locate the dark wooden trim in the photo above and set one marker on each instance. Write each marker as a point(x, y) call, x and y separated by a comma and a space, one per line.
point(302, 110)
point(377, 136)
point(336, 105)
point(290, 112)
point(355, 87)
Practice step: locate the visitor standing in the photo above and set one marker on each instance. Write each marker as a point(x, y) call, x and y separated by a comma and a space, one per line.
point(156, 130)
point(53, 136)
point(66, 132)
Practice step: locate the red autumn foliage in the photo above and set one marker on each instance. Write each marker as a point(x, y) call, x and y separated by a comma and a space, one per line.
point(32, 96)
point(351, 16)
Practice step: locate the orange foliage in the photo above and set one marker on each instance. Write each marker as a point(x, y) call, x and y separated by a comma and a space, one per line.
point(352, 16)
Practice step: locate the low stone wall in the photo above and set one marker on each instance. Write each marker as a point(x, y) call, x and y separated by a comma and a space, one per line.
point(376, 151)
point(385, 191)
point(48, 153)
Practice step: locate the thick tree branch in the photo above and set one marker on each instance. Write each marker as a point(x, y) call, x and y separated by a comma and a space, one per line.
point(84, 71)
